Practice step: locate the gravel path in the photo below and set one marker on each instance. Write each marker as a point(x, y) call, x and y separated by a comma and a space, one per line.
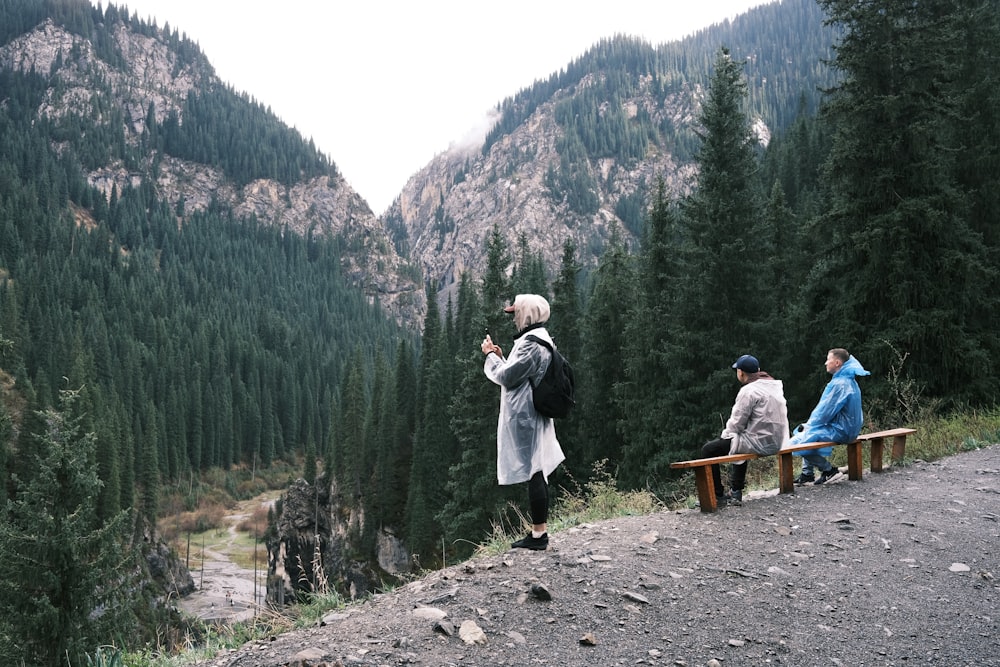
point(227, 592)
point(897, 569)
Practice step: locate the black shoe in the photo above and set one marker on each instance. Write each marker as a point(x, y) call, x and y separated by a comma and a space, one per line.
point(533, 543)
point(828, 475)
point(805, 479)
point(735, 498)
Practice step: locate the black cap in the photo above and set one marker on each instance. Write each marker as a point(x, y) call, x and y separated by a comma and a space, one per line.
point(747, 364)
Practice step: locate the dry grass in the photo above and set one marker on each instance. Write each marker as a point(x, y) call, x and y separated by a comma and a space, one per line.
point(256, 523)
point(208, 517)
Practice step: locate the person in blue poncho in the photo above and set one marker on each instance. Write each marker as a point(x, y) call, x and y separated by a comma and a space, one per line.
point(836, 418)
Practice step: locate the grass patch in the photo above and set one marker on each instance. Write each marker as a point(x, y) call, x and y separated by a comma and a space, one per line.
point(316, 606)
point(213, 640)
point(596, 500)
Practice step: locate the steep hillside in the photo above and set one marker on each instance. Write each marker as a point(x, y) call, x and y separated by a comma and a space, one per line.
point(152, 106)
point(571, 156)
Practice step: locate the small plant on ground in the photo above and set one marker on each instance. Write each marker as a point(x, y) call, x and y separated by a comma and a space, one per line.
point(598, 499)
point(316, 606)
point(105, 656)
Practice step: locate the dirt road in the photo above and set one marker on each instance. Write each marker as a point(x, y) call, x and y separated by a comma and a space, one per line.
point(228, 591)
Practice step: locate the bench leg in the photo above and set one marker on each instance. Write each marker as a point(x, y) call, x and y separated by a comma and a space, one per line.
point(706, 488)
point(876, 455)
point(854, 461)
point(786, 473)
point(898, 449)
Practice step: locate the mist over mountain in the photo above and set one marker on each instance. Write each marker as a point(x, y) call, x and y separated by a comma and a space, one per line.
point(573, 156)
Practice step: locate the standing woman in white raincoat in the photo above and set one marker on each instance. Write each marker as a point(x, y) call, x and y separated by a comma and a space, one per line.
point(527, 448)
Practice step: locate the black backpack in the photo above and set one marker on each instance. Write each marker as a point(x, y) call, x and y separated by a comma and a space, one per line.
point(553, 395)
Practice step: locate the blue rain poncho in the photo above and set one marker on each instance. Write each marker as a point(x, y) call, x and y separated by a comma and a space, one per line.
point(837, 417)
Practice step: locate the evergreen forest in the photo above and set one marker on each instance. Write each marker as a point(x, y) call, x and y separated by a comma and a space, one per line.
point(141, 347)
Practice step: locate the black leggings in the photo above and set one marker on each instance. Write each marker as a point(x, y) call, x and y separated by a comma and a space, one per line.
point(538, 498)
point(737, 474)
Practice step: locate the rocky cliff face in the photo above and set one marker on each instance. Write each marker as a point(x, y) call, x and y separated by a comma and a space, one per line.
point(167, 571)
point(450, 206)
point(151, 73)
point(315, 535)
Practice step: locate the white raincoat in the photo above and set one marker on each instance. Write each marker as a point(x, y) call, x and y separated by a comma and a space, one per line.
point(758, 423)
point(526, 441)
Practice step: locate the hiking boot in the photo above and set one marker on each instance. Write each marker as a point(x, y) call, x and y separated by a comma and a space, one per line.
point(734, 498)
point(805, 479)
point(828, 475)
point(533, 543)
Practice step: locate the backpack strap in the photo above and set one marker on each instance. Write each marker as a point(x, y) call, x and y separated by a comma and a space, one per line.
point(543, 343)
point(540, 341)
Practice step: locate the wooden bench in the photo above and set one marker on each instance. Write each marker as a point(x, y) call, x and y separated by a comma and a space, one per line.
point(786, 484)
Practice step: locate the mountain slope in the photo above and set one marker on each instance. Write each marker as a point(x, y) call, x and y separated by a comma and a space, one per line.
point(748, 586)
point(571, 156)
point(145, 108)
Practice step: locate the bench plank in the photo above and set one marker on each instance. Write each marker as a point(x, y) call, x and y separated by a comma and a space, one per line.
point(786, 464)
point(876, 439)
point(786, 483)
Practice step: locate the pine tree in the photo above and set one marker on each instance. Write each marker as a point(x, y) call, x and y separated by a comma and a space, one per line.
point(565, 326)
point(64, 574)
point(426, 464)
point(353, 407)
point(783, 275)
point(713, 304)
point(396, 460)
point(377, 437)
point(529, 275)
point(150, 478)
point(567, 303)
point(6, 423)
point(641, 394)
point(905, 268)
point(603, 367)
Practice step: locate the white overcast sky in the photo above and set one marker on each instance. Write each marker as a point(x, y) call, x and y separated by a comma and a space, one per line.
point(382, 86)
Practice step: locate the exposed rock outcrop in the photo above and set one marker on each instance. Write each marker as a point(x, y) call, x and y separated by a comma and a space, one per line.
point(311, 549)
point(167, 571)
point(449, 207)
point(152, 75)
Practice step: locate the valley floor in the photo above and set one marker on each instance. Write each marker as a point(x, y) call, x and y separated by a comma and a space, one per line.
point(226, 590)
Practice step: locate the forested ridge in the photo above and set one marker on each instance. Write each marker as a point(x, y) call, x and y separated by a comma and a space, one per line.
point(140, 346)
point(784, 46)
point(860, 225)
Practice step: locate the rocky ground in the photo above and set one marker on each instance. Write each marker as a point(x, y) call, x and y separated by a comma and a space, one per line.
point(897, 569)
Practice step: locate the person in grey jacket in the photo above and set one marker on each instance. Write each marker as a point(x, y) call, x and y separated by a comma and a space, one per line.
point(527, 447)
point(758, 424)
